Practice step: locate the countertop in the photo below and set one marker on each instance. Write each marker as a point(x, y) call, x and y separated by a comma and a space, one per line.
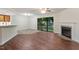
point(7, 26)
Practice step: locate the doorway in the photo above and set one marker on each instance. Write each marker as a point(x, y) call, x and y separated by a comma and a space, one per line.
point(45, 24)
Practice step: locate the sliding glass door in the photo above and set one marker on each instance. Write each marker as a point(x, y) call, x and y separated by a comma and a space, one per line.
point(45, 24)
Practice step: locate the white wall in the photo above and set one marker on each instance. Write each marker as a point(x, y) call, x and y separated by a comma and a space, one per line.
point(68, 16)
point(21, 22)
point(25, 22)
point(32, 22)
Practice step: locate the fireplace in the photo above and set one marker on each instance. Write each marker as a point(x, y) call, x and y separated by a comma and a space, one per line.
point(66, 31)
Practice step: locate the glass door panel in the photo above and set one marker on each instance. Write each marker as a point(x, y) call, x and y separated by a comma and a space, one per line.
point(45, 24)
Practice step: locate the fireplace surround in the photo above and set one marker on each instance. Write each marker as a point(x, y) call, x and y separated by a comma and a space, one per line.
point(74, 30)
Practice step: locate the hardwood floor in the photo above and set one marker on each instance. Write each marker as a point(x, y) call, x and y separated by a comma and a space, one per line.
point(40, 41)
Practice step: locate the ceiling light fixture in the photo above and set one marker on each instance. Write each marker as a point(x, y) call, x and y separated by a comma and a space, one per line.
point(43, 10)
point(46, 10)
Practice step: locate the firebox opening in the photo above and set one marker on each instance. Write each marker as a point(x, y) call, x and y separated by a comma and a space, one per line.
point(66, 31)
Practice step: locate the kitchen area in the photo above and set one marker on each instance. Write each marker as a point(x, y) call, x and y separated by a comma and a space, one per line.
point(7, 30)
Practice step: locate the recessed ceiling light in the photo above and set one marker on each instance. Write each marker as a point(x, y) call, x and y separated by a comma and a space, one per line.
point(27, 14)
point(43, 11)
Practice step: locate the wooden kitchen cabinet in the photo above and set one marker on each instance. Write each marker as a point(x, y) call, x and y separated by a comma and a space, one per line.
point(4, 18)
point(7, 18)
point(1, 18)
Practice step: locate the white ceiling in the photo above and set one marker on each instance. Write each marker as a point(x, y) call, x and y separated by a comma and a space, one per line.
point(34, 10)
